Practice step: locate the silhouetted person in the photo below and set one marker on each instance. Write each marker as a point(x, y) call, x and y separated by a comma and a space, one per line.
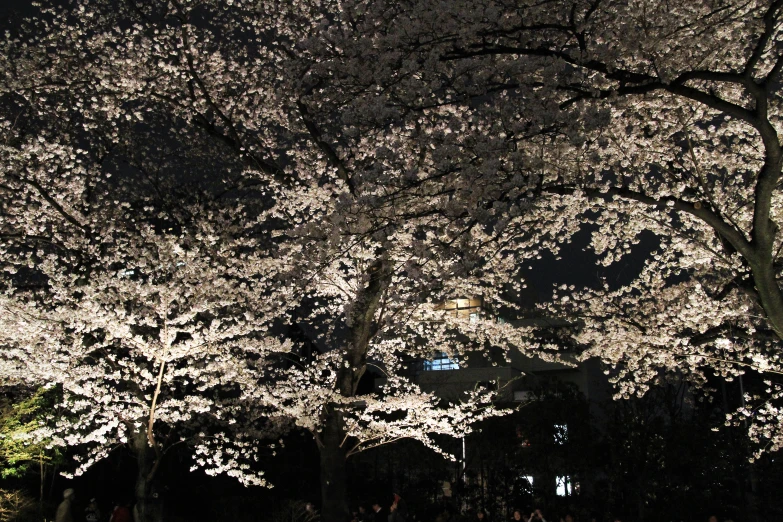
point(92, 513)
point(378, 514)
point(64, 510)
point(121, 513)
point(398, 511)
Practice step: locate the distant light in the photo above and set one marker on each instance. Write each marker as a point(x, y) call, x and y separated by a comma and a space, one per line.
point(441, 362)
point(561, 433)
point(564, 486)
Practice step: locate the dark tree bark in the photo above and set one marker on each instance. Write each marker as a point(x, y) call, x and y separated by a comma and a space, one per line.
point(332, 440)
point(149, 507)
point(334, 507)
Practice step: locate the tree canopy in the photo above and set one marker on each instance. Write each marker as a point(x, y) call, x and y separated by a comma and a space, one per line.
point(627, 121)
point(230, 210)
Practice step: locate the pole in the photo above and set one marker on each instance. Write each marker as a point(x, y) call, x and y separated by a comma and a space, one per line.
point(464, 479)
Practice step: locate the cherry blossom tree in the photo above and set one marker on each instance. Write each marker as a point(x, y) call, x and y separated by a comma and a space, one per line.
point(628, 119)
point(130, 283)
point(136, 361)
point(353, 164)
point(181, 187)
point(154, 339)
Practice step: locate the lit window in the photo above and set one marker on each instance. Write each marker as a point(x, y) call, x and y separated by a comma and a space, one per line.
point(474, 317)
point(441, 362)
point(564, 486)
point(525, 483)
point(561, 433)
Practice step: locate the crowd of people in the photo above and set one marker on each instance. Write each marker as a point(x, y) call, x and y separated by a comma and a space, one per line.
point(92, 513)
point(398, 512)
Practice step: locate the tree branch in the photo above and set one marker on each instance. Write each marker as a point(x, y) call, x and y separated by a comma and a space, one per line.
point(49, 199)
point(329, 152)
point(770, 17)
point(735, 237)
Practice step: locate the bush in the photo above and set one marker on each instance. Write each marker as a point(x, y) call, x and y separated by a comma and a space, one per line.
point(17, 506)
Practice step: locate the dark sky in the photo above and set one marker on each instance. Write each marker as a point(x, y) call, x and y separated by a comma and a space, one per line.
point(578, 266)
point(11, 11)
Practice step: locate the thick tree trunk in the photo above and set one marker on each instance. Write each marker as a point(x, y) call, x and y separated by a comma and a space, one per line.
point(363, 326)
point(148, 507)
point(333, 470)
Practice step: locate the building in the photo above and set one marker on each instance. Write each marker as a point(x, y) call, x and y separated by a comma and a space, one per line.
point(518, 380)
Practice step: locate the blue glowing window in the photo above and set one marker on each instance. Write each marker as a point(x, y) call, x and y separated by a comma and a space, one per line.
point(441, 362)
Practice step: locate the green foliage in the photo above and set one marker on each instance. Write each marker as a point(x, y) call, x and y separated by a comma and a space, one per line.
point(17, 506)
point(19, 451)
